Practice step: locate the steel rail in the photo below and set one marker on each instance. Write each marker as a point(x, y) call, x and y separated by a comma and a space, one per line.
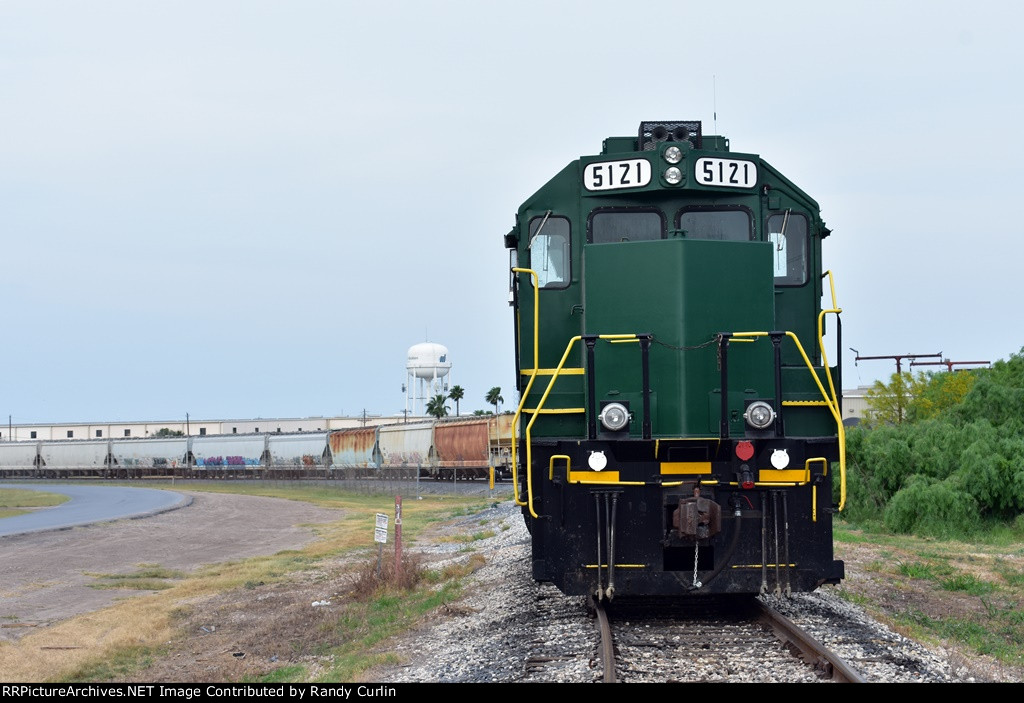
point(810, 650)
point(607, 646)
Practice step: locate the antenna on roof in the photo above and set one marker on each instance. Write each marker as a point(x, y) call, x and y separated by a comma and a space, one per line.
point(714, 101)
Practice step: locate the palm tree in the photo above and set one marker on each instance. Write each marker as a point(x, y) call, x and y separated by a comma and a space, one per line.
point(494, 398)
point(457, 393)
point(435, 406)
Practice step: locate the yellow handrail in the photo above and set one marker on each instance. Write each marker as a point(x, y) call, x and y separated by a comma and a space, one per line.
point(529, 425)
point(841, 430)
point(832, 402)
point(565, 372)
point(814, 489)
point(522, 398)
point(551, 464)
point(540, 405)
point(556, 411)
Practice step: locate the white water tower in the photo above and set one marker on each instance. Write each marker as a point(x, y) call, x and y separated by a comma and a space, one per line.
point(426, 367)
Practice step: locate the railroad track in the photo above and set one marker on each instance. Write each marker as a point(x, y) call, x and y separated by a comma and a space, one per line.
point(745, 641)
point(807, 648)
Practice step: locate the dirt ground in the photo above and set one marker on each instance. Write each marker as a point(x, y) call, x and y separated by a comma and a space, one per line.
point(245, 634)
point(892, 596)
point(45, 577)
point(252, 631)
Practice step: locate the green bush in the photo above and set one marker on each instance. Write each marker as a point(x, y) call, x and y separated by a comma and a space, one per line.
point(931, 508)
point(936, 447)
point(994, 465)
point(997, 395)
point(950, 469)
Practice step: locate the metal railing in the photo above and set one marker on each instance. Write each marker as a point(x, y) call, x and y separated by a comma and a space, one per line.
point(830, 399)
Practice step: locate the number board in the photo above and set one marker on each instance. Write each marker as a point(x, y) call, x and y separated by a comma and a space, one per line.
point(609, 175)
point(731, 173)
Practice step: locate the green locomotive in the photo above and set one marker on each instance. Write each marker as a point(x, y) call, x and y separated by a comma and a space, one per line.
point(679, 430)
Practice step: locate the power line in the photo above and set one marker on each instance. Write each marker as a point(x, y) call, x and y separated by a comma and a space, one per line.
point(949, 364)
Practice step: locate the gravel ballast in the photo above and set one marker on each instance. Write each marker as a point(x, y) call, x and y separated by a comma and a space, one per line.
point(508, 628)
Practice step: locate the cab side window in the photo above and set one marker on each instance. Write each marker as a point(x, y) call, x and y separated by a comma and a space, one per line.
point(549, 251)
point(787, 231)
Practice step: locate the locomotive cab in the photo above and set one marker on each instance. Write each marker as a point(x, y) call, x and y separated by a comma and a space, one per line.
point(678, 429)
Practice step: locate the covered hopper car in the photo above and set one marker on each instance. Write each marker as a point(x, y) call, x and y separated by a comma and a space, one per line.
point(462, 448)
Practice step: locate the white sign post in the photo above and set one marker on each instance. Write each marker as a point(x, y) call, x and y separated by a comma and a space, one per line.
point(380, 536)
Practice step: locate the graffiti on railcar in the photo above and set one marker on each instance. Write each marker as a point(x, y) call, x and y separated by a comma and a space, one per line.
point(227, 461)
point(159, 462)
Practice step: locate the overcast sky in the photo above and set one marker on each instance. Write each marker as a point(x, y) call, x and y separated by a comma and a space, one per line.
point(253, 208)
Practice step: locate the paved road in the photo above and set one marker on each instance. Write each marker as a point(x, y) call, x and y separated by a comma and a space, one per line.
point(89, 504)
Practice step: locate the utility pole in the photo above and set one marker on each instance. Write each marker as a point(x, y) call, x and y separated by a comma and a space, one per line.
point(364, 419)
point(898, 357)
point(899, 371)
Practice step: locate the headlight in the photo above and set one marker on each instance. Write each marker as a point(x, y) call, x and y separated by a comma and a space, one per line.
point(614, 417)
point(673, 175)
point(759, 415)
point(673, 154)
point(597, 461)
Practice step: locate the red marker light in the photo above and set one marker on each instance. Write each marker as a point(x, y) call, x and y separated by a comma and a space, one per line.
point(744, 450)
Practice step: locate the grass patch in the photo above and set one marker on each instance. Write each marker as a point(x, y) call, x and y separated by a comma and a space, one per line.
point(916, 570)
point(474, 537)
point(123, 661)
point(854, 597)
point(285, 674)
point(463, 568)
point(984, 617)
point(879, 566)
point(383, 602)
point(22, 498)
point(979, 636)
point(367, 624)
point(846, 536)
point(133, 585)
point(925, 570)
point(1013, 576)
point(967, 583)
point(360, 508)
point(146, 571)
point(149, 577)
point(375, 579)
